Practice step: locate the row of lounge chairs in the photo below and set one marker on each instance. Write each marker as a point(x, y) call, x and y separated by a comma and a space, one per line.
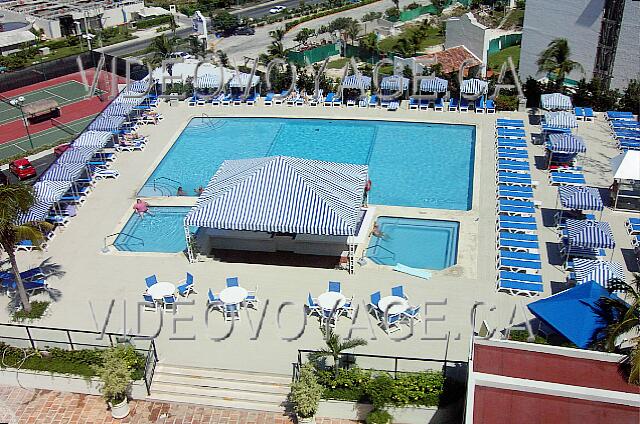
point(33, 280)
point(518, 261)
point(625, 130)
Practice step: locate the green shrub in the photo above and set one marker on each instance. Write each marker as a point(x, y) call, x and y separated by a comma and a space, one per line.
point(509, 103)
point(378, 416)
point(115, 374)
point(152, 22)
point(523, 336)
point(306, 392)
point(38, 309)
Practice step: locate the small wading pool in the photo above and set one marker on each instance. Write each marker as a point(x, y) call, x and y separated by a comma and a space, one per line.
point(418, 243)
point(162, 230)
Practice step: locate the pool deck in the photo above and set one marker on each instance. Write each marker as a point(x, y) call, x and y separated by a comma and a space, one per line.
point(94, 278)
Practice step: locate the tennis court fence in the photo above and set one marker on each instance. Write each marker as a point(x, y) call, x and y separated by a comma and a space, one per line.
point(67, 65)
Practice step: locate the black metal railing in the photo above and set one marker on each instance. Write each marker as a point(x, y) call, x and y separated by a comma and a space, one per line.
point(396, 364)
point(37, 337)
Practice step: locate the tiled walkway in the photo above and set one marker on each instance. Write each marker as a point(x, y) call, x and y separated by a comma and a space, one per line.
point(48, 407)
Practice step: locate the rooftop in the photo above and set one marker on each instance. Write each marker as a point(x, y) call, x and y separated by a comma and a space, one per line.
point(452, 58)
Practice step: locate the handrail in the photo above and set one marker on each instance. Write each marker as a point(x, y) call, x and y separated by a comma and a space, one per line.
point(106, 246)
point(155, 186)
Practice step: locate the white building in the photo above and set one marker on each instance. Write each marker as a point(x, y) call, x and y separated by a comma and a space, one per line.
point(603, 37)
point(14, 32)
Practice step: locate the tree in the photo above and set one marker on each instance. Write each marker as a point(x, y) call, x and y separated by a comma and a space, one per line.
point(335, 347)
point(371, 16)
point(196, 46)
point(303, 36)
point(370, 42)
point(225, 22)
point(16, 199)
point(557, 60)
point(276, 48)
point(223, 58)
point(532, 91)
point(392, 13)
point(630, 100)
point(160, 48)
point(623, 319)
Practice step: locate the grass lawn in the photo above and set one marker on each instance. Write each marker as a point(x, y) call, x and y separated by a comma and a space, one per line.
point(433, 38)
point(498, 58)
point(338, 63)
point(515, 19)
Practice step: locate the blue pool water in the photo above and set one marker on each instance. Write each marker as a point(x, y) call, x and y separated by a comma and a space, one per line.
point(410, 164)
point(160, 231)
point(418, 243)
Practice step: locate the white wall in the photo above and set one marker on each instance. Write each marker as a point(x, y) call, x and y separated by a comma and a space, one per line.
point(466, 31)
point(578, 21)
point(627, 61)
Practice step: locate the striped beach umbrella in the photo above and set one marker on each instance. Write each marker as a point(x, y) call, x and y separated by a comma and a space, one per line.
point(560, 120)
point(474, 86)
point(392, 82)
point(590, 234)
point(580, 198)
point(51, 191)
point(566, 143)
point(37, 212)
point(438, 85)
point(355, 81)
point(106, 123)
point(63, 172)
point(207, 81)
point(77, 154)
point(96, 139)
point(556, 101)
point(599, 271)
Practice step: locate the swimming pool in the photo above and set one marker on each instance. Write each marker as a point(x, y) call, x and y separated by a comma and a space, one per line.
point(418, 243)
point(410, 164)
point(160, 231)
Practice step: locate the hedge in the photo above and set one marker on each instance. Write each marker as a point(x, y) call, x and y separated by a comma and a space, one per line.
point(289, 25)
point(151, 22)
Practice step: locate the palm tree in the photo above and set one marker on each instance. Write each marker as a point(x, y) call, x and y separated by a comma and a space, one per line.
point(623, 319)
point(16, 199)
point(352, 30)
point(335, 347)
point(197, 47)
point(160, 48)
point(556, 59)
point(276, 48)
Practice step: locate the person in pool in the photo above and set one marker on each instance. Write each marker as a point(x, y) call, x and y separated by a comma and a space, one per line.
point(181, 192)
point(198, 190)
point(377, 232)
point(141, 207)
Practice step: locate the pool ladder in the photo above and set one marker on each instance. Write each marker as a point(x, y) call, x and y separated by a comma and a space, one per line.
point(105, 248)
point(168, 187)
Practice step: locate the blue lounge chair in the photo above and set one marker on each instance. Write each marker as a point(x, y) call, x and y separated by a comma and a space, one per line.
point(393, 106)
point(169, 303)
point(517, 245)
point(625, 125)
point(518, 265)
point(413, 313)
point(312, 306)
point(523, 256)
point(334, 286)
point(373, 303)
point(438, 105)
point(464, 105)
point(622, 115)
point(566, 178)
point(424, 104)
point(251, 100)
point(150, 281)
point(516, 227)
point(373, 101)
point(213, 300)
point(510, 133)
point(589, 116)
point(232, 282)
point(515, 144)
point(29, 286)
point(398, 291)
point(187, 287)
point(514, 193)
point(525, 178)
point(490, 106)
point(337, 102)
point(518, 236)
point(512, 154)
point(31, 274)
point(633, 227)
point(149, 302)
point(480, 105)
point(414, 103)
point(526, 209)
point(453, 105)
point(268, 99)
point(518, 283)
point(579, 113)
point(512, 166)
point(517, 219)
point(509, 123)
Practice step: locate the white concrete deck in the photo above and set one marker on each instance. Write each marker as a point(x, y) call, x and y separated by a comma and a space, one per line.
point(97, 278)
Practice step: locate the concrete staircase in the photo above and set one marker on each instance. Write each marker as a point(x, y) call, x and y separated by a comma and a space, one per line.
point(220, 388)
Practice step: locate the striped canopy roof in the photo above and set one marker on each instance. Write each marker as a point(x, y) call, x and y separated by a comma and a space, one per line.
point(566, 143)
point(106, 123)
point(51, 191)
point(140, 86)
point(63, 172)
point(590, 234)
point(436, 84)
point(130, 97)
point(392, 82)
point(93, 139)
point(77, 154)
point(355, 81)
point(207, 81)
point(599, 271)
point(556, 101)
point(37, 212)
point(241, 80)
point(118, 109)
point(474, 86)
point(580, 197)
point(560, 119)
point(282, 194)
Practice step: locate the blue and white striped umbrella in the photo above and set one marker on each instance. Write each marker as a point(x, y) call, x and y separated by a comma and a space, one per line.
point(590, 234)
point(392, 82)
point(282, 194)
point(207, 81)
point(106, 123)
point(118, 109)
point(580, 198)
point(37, 212)
point(474, 86)
point(96, 139)
point(51, 191)
point(566, 143)
point(560, 120)
point(241, 80)
point(77, 155)
point(437, 85)
point(130, 97)
point(63, 172)
point(556, 101)
point(140, 86)
point(353, 81)
point(599, 271)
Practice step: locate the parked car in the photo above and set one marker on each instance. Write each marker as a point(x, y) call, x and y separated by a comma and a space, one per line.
point(4, 180)
point(22, 169)
point(244, 30)
point(58, 151)
point(277, 9)
point(179, 55)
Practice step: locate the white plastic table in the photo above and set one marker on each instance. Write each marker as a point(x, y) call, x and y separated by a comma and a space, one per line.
point(398, 305)
point(330, 300)
point(233, 295)
point(161, 289)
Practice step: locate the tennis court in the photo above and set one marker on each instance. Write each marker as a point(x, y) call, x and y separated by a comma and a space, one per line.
point(43, 138)
point(64, 93)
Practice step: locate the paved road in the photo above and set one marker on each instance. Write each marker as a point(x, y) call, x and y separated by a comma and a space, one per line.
point(260, 11)
point(40, 164)
point(139, 44)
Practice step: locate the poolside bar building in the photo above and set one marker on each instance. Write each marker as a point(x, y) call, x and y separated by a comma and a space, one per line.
point(281, 204)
